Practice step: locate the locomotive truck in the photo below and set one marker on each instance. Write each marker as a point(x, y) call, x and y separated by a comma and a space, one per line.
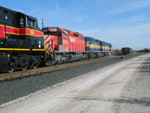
point(24, 45)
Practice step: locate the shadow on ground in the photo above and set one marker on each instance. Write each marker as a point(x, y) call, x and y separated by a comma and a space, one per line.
point(145, 67)
point(142, 101)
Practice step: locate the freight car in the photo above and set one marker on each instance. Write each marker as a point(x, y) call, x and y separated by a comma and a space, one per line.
point(23, 45)
point(126, 50)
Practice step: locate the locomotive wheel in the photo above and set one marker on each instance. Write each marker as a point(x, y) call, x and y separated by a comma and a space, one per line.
point(23, 68)
point(10, 70)
point(24, 63)
point(36, 62)
point(34, 66)
point(11, 66)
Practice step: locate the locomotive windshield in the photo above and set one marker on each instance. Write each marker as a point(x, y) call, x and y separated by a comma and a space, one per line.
point(54, 31)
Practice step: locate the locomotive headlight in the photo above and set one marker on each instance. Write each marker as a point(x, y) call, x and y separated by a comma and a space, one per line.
point(39, 44)
point(8, 55)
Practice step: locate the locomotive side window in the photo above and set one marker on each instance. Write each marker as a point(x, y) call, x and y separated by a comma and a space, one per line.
point(6, 14)
point(82, 38)
point(21, 22)
point(31, 23)
point(76, 35)
point(28, 22)
point(1, 13)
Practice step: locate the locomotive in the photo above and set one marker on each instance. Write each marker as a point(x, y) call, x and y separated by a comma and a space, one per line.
point(21, 41)
point(62, 45)
point(24, 45)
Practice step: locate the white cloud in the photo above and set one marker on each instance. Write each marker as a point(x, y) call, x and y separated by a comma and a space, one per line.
point(133, 19)
point(137, 37)
point(132, 6)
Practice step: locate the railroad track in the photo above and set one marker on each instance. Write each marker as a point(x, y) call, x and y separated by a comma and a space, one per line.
point(38, 71)
point(34, 72)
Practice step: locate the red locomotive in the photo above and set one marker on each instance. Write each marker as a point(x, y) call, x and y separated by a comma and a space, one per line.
point(63, 45)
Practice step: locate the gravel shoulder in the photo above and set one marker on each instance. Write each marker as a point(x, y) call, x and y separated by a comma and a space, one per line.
point(123, 87)
point(135, 97)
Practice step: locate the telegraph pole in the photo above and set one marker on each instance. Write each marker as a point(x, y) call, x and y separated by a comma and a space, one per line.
point(42, 23)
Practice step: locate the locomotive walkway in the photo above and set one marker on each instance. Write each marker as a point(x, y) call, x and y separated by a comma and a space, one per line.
point(123, 87)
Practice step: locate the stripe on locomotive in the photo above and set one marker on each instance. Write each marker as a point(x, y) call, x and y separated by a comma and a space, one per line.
point(21, 31)
point(92, 49)
point(94, 46)
point(97, 47)
point(38, 49)
point(47, 42)
point(20, 49)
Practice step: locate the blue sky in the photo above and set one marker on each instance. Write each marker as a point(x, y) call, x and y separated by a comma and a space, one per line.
point(123, 23)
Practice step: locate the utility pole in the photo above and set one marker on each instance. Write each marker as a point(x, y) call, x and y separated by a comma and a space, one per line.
point(42, 23)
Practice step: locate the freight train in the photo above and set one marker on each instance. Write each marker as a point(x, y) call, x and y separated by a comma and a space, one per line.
point(24, 45)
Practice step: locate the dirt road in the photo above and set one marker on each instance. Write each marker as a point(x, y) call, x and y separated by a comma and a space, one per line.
point(123, 87)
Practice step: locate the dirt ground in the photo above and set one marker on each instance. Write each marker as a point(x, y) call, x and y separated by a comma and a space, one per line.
point(123, 87)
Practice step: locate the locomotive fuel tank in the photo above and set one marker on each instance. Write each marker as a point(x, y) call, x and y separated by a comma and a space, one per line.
point(4, 62)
